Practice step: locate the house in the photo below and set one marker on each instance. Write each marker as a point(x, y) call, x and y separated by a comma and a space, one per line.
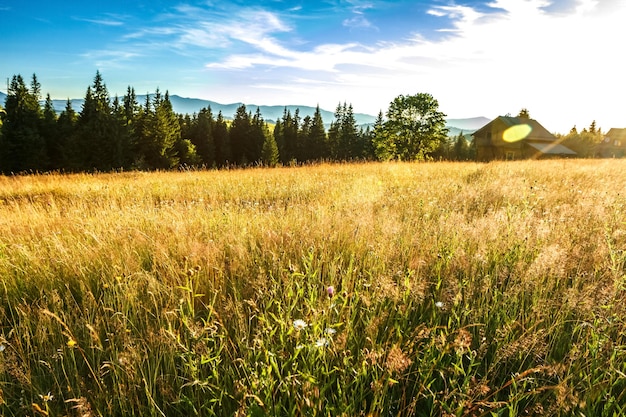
point(507, 137)
point(613, 145)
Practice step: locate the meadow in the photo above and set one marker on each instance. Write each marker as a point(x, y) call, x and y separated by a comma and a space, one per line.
point(374, 289)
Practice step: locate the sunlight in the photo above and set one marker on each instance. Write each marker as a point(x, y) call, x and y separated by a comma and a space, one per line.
point(517, 132)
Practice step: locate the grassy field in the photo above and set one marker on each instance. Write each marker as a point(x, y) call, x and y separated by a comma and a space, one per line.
point(399, 289)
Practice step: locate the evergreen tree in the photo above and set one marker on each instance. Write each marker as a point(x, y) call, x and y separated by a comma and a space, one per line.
point(258, 137)
point(279, 136)
point(304, 139)
point(221, 139)
point(97, 139)
point(343, 135)
point(317, 141)
point(66, 129)
point(240, 137)
point(269, 153)
point(51, 137)
point(160, 133)
point(22, 148)
point(461, 148)
point(202, 136)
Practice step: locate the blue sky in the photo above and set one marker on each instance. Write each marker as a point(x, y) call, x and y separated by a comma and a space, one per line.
point(560, 59)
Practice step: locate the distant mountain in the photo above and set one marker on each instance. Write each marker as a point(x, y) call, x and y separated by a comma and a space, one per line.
point(272, 113)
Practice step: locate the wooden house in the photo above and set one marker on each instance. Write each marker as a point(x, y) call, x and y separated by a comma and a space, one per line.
point(507, 137)
point(613, 145)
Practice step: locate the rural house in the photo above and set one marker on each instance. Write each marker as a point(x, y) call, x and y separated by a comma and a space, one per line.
point(613, 145)
point(507, 137)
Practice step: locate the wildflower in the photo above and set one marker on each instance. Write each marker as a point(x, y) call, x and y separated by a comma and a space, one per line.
point(299, 324)
point(2, 345)
point(330, 331)
point(439, 304)
point(321, 342)
point(47, 397)
point(330, 290)
point(71, 343)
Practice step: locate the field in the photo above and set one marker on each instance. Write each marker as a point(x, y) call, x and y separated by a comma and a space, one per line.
point(397, 289)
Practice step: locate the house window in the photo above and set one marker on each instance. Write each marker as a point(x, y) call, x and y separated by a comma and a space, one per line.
point(510, 155)
point(618, 143)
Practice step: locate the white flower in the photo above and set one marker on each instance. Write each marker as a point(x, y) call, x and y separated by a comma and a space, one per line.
point(321, 342)
point(439, 304)
point(330, 331)
point(299, 324)
point(2, 347)
point(47, 397)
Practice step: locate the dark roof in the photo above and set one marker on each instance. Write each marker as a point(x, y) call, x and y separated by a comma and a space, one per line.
point(538, 132)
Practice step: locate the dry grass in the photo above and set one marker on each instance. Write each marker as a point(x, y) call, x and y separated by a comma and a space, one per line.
point(460, 289)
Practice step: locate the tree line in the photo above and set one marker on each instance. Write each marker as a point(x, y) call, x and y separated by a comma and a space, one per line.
point(121, 134)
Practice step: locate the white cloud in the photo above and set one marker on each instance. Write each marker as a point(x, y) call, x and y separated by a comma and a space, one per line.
point(521, 55)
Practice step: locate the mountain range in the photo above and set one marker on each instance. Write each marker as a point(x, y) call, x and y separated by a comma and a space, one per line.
point(185, 105)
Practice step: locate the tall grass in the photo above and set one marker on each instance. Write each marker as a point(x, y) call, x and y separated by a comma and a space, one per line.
point(456, 289)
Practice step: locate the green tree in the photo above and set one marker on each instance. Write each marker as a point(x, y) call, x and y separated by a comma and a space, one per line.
point(241, 140)
point(317, 140)
point(414, 128)
point(66, 129)
point(160, 132)
point(22, 148)
point(343, 134)
point(202, 136)
point(461, 148)
point(269, 153)
point(221, 139)
point(51, 137)
point(96, 134)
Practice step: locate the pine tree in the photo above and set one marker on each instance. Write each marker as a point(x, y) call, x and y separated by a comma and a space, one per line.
point(202, 136)
point(66, 128)
point(97, 136)
point(22, 147)
point(317, 137)
point(159, 133)
point(240, 133)
point(221, 139)
point(269, 152)
point(51, 137)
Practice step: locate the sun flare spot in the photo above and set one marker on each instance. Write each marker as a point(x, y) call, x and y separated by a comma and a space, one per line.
point(517, 132)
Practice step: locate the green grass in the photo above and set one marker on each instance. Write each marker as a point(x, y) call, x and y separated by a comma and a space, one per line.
point(459, 290)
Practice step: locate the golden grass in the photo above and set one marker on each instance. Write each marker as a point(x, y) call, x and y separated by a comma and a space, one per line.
point(462, 288)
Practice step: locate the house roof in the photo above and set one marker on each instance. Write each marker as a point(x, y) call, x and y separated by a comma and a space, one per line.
point(551, 148)
point(537, 131)
point(616, 134)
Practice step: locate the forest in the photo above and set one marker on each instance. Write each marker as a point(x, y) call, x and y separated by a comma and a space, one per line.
point(116, 134)
point(113, 134)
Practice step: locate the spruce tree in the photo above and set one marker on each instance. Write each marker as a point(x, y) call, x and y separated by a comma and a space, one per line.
point(317, 142)
point(221, 139)
point(269, 152)
point(240, 133)
point(66, 129)
point(51, 137)
point(202, 136)
point(22, 147)
point(97, 136)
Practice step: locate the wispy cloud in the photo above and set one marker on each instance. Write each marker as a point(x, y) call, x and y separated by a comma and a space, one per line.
point(103, 22)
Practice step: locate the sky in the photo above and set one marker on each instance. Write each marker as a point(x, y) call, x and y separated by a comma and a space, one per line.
point(560, 59)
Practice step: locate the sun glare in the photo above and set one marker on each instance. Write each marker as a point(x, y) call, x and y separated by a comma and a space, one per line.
point(516, 133)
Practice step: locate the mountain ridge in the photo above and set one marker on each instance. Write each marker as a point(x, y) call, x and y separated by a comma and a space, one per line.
point(271, 113)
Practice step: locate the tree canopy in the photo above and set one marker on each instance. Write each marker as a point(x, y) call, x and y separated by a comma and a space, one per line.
point(413, 129)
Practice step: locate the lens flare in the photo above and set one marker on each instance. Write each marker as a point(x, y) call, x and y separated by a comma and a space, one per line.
point(517, 132)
